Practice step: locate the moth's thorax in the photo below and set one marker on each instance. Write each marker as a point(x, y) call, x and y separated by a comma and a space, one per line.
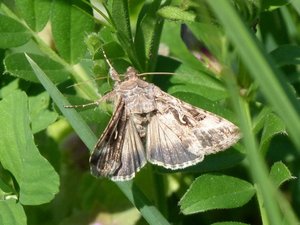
point(138, 95)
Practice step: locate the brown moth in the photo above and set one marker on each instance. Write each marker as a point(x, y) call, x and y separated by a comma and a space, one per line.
point(150, 125)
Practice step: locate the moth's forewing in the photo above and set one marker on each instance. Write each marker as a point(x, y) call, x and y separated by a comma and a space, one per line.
point(212, 131)
point(119, 153)
point(106, 156)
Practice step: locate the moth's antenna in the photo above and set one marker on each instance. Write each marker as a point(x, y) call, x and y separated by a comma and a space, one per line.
point(112, 72)
point(156, 73)
point(85, 81)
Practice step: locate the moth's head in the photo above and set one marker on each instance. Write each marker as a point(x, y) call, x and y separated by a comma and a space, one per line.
point(131, 73)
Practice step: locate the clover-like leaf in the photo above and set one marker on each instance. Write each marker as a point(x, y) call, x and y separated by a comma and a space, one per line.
point(38, 182)
point(12, 213)
point(12, 33)
point(216, 192)
point(280, 173)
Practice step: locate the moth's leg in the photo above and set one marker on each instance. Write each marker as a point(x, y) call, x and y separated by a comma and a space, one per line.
point(107, 97)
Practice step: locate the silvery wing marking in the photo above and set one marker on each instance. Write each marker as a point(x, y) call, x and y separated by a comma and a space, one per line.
point(119, 153)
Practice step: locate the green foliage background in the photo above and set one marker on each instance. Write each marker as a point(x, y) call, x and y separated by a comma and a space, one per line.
point(238, 59)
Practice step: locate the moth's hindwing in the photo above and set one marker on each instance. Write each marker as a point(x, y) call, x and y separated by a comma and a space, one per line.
point(171, 145)
point(180, 135)
point(132, 154)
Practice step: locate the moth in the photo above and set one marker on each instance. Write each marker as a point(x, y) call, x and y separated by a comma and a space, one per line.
point(150, 125)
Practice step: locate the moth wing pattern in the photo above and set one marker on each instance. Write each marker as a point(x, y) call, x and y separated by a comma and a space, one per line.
point(119, 153)
point(132, 154)
point(105, 158)
point(212, 131)
point(170, 144)
point(180, 135)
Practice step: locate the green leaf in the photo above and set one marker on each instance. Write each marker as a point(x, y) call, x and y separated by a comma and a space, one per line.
point(69, 27)
point(273, 125)
point(39, 113)
point(280, 173)
point(37, 180)
point(286, 55)
point(172, 38)
point(175, 13)
point(35, 13)
point(12, 33)
point(112, 50)
point(10, 87)
point(249, 10)
point(6, 186)
point(215, 192)
point(230, 223)
point(120, 15)
point(147, 37)
point(259, 120)
point(17, 65)
point(197, 82)
point(106, 34)
point(12, 213)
